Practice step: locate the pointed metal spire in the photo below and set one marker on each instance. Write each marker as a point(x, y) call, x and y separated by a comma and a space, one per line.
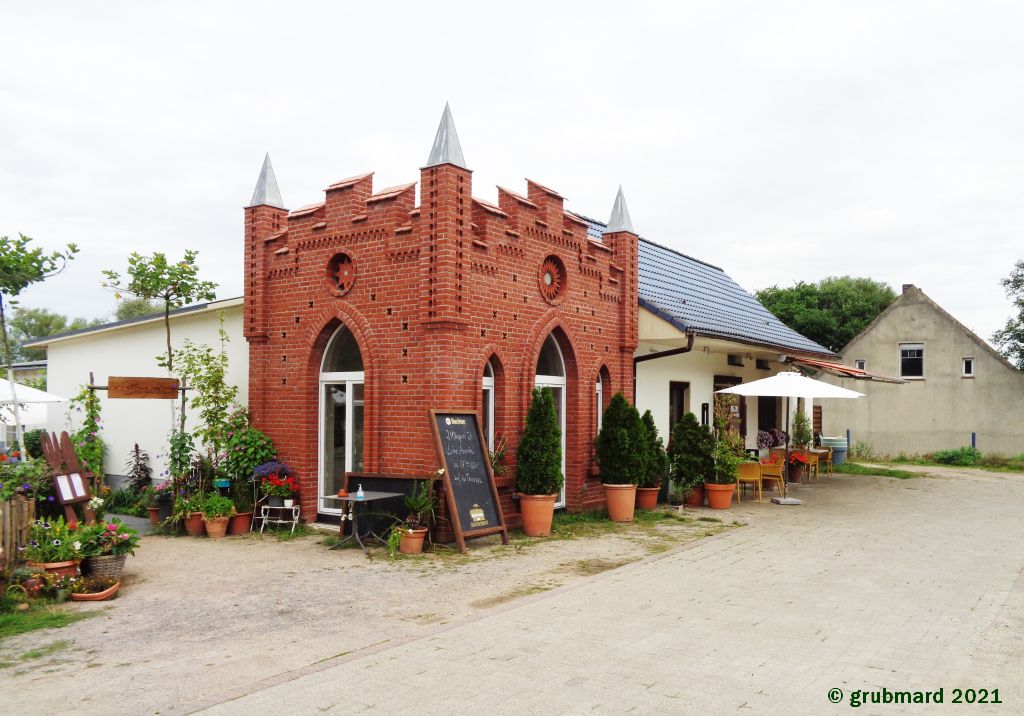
point(446, 149)
point(620, 220)
point(266, 191)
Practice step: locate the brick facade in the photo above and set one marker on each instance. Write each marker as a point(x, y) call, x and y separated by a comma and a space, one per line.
point(438, 289)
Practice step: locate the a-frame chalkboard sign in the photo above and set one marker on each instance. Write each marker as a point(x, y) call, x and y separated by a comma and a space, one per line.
point(469, 483)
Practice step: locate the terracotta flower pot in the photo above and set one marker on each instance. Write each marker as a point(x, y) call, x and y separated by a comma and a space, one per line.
point(796, 472)
point(194, 525)
point(621, 501)
point(695, 498)
point(240, 524)
point(61, 569)
point(98, 596)
point(216, 527)
point(537, 512)
point(719, 496)
point(412, 540)
point(647, 498)
point(154, 515)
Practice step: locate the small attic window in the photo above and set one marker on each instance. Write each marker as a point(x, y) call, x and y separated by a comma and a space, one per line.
point(860, 364)
point(968, 368)
point(736, 360)
point(762, 364)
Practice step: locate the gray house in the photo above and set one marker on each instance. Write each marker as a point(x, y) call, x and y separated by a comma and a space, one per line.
point(956, 385)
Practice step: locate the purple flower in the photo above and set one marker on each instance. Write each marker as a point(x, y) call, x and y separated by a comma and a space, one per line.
point(24, 486)
point(49, 498)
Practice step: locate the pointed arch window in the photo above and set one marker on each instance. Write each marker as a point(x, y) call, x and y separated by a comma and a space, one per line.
point(342, 408)
point(551, 374)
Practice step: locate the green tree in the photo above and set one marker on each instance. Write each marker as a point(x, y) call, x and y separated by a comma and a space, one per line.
point(20, 267)
point(129, 308)
point(1010, 339)
point(654, 470)
point(28, 324)
point(691, 459)
point(621, 444)
point(832, 311)
point(539, 453)
point(172, 284)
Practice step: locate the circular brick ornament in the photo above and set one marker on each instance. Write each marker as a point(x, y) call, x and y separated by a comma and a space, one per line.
point(552, 279)
point(341, 274)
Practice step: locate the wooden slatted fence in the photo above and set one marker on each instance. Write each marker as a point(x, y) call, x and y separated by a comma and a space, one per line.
point(16, 517)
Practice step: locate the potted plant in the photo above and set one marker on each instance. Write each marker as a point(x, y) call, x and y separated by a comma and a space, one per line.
point(801, 440)
point(189, 512)
point(539, 464)
point(420, 504)
point(276, 482)
point(691, 460)
point(217, 510)
point(728, 455)
point(105, 547)
point(621, 457)
point(649, 486)
point(93, 589)
point(163, 500)
point(241, 521)
point(53, 546)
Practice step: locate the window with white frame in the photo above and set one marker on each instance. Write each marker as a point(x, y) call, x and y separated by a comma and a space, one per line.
point(599, 393)
point(912, 360)
point(968, 367)
point(488, 405)
point(860, 364)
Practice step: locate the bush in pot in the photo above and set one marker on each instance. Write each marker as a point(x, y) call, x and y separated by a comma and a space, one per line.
point(217, 509)
point(729, 454)
point(621, 456)
point(53, 546)
point(648, 487)
point(691, 459)
point(539, 464)
point(420, 504)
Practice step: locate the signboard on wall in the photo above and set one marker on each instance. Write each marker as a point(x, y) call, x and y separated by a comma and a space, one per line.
point(469, 483)
point(136, 388)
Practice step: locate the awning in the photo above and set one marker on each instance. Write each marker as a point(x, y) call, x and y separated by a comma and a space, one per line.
point(843, 371)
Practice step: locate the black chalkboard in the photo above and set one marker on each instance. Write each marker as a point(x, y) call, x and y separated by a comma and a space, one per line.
point(469, 484)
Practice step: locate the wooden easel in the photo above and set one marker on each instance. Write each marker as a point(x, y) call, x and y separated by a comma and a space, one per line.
point(61, 457)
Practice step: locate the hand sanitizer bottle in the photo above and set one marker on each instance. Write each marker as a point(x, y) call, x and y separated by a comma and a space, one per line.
point(360, 495)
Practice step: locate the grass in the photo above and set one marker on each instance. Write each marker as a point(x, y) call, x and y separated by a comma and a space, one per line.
point(39, 617)
point(853, 468)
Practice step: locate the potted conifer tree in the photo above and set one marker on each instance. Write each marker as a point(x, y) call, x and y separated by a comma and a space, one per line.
point(622, 456)
point(728, 455)
point(691, 459)
point(649, 486)
point(539, 464)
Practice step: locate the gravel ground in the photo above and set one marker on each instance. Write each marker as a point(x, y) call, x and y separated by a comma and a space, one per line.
point(196, 617)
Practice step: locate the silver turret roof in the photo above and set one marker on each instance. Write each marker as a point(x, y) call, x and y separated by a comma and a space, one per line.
point(620, 220)
point(266, 192)
point(446, 149)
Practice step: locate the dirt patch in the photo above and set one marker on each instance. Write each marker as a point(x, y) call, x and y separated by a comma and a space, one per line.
point(196, 618)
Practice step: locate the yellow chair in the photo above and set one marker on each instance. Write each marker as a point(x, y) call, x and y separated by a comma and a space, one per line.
point(748, 473)
point(825, 459)
point(773, 472)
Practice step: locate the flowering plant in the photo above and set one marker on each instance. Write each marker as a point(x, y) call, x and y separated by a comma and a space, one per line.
point(279, 486)
point(164, 492)
point(52, 541)
point(797, 458)
point(22, 477)
point(113, 537)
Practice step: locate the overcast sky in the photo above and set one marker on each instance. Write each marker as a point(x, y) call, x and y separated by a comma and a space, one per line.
point(781, 141)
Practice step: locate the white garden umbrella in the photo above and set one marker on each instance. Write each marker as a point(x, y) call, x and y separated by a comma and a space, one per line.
point(14, 397)
point(23, 394)
point(790, 385)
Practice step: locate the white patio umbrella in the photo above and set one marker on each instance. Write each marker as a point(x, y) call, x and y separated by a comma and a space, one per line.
point(13, 396)
point(790, 385)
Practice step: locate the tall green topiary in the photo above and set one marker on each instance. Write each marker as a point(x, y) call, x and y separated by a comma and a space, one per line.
point(539, 454)
point(657, 460)
point(621, 444)
point(801, 430)
point(691, 460)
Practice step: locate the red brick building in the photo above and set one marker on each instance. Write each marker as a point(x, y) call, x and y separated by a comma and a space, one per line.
point(368, 309)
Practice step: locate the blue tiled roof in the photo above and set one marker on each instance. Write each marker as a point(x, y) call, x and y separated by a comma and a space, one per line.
point(695, 296)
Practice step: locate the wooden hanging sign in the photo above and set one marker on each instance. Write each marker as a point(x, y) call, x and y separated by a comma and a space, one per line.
point(469, 483)
point(142, 388)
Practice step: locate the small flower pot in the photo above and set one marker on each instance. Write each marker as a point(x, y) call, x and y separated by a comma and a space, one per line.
point(240, 524)
point(412, 540)
point(216, 527)
point(647, 498)
point(621, 501)
point(154, 515)
point(289, 502)
point(98, 596)
point(275, 501)
point(537, 512)
point(61, 569)
point(194, 525)
point(719, 496)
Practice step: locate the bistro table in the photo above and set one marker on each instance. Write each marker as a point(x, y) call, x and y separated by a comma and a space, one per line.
point(352, 511)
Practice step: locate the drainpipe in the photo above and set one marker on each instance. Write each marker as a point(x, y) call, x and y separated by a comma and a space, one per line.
point(690, 335)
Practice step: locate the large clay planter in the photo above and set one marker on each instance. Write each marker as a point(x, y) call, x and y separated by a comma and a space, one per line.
point(537, 512)
point(621, 501)
point(216, 527)
point(194, 525)
point(647, 497)
point(154, 515)
point(796, 472)
point(719, 496)
point(412, 540)
point(695, 498)
point(61, 569)
point(240, 524)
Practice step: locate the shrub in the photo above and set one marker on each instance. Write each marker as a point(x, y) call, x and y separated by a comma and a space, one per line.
point(690, 454)
point(963, 456)
point(539, 453)
point(138, 469)
point(656, 457)
point(994, 459)
point(801, 430)
point(217, 506)
point(125, 501)
point(862, 451)
point(620, 444)
point(247, 448)
point(34, 443)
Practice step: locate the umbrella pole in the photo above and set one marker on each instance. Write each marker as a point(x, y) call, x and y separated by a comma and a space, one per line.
point(785, 463)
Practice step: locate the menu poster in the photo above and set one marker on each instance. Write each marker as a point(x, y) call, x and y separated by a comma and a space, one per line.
point(70, 488)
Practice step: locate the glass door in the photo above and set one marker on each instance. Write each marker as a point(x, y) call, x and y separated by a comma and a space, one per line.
point(341, 437)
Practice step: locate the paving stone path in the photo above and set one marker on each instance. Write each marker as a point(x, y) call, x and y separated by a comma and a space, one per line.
point(872, 584)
